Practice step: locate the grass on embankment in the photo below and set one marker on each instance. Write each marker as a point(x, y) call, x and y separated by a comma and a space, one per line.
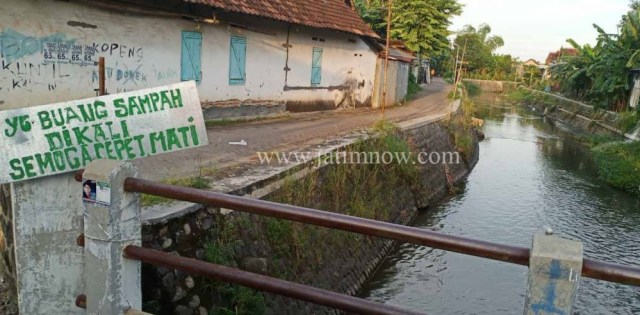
point(293, 249)
point(461, 126)
point(619, 164)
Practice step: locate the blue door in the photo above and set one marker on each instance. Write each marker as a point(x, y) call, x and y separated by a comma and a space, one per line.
point(237, 60)
point(316, 66)
point(190, 64)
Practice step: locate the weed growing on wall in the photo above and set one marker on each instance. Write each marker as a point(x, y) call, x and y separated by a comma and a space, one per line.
point(461, 128)
point(358, 189)
point(229, 299)
point(520, 96)
point(472, 89)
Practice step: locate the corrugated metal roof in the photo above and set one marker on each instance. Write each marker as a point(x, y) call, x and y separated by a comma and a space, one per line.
point(328, 14)
point(399, 54)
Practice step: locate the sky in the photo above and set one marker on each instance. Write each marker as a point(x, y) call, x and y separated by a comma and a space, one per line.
point(532, 29)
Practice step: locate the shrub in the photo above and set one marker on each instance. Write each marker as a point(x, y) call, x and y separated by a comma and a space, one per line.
point(520, 95)
point(472, 89)
point(413, 88)
point(619, 164)
point(628, 121)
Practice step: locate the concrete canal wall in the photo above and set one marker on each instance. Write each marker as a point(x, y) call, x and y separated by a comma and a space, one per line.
point(494, 86)
point(573, 114)
point(329, 259)
point(585, 118)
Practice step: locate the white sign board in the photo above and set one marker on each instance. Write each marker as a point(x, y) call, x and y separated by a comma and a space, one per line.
point(58, 138)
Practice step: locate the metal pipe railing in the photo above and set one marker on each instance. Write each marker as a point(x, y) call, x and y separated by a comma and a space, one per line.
point(512, 254)
point(263, 283)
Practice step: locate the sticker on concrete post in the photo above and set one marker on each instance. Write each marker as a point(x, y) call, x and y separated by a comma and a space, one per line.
point(89, 191)
point(94, 192)
point(103, 193)
point(59, 138)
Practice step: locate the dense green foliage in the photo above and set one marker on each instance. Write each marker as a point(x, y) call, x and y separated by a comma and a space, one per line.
point(478, 48)
point(619, 164)
point(600, 74)
point(421, 24)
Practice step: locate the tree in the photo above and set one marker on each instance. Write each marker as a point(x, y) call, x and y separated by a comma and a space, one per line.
point(480, 60)
point(421, 24)
point(600, 74)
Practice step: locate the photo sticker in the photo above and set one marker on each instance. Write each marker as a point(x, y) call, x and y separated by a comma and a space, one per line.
point(89, 191)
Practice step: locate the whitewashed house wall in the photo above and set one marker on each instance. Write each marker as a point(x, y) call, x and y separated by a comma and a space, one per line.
point(145, 51)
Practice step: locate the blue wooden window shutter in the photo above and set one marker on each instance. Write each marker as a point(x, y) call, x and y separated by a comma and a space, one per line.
point(190, 67)
point(316, 66)
point(237, 60)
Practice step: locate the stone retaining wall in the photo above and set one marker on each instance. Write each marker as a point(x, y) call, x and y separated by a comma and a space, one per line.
point(333, 260)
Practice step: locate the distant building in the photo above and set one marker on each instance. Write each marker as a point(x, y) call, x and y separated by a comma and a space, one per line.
point(248, 57)
point(530, 63)
point(553, 57)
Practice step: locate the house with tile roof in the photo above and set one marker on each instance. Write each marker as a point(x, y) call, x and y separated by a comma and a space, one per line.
point(248, 57)
point(554, 56)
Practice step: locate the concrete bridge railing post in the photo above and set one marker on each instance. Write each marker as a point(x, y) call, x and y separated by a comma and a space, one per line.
point(555, 266)
point(111, 222)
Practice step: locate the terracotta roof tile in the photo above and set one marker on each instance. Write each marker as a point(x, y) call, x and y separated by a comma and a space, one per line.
point(329, 14)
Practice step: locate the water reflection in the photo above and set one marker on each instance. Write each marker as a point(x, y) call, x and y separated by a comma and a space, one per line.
point(530, 176)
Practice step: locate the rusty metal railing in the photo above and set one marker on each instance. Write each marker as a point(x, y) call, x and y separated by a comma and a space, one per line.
point(512, 254)
point(263, 283)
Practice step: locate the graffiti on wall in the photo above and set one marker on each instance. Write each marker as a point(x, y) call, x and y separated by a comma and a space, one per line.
point(44, 63)
point(119, 50)
point(57, 48)
point(15, 45)
point(21, 75)
point(123, 74)
point(64, 52)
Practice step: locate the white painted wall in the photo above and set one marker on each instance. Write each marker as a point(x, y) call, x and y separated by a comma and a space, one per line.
point(48, 218)
point(145, 51)
point(343, 62)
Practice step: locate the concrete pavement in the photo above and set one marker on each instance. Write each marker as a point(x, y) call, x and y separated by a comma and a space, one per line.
point(295, 131)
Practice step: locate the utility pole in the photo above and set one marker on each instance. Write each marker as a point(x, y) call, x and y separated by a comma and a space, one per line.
point(386, 56)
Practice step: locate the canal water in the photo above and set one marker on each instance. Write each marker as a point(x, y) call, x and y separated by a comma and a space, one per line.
point(530, 176)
